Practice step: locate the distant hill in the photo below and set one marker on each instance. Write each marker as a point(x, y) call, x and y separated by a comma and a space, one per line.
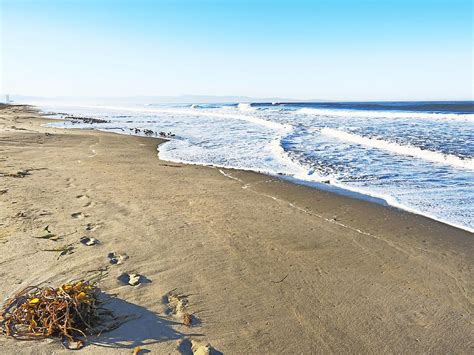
point(188, 99)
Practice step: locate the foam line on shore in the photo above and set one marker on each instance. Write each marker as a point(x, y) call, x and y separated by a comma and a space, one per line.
point(370, 196)
point(348, 191)
point(314, 214)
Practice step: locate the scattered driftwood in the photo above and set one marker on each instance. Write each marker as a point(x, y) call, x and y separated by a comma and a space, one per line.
point(70, 312)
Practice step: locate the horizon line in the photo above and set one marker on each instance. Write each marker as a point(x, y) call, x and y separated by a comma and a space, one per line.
point(245, 98)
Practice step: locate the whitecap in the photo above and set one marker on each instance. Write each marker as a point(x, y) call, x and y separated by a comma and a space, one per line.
point(409, 150)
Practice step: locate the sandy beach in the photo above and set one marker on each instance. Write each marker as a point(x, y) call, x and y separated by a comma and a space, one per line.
point(265, 266)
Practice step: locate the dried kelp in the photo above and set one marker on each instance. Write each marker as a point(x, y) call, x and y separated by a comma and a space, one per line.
point(63, 250)
point(49, 235)
point(188, 319)
point(70, 312)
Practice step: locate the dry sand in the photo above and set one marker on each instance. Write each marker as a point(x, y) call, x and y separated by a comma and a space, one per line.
point(267, 266)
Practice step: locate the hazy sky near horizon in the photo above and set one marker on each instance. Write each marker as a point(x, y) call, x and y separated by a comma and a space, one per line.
point(330, 50)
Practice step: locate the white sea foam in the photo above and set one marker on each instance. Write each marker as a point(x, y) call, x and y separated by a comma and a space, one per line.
point(296, 169)
point(246, 107)
point(396, 148)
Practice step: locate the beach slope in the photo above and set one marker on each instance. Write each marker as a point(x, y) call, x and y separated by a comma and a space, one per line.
point(264, 266)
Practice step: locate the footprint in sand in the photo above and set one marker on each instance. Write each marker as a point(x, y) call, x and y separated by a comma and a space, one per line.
point(88, 204)
point(177, 307)
point(133, 279)
point(70, 183)
point(89, 241)
point(92, 226)
point(93, 152)
point(193, 347)
point(86, 200)
point(78, 215)
point(117, 259)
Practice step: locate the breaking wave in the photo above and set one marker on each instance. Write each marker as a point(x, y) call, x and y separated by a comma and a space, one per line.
point(436, 157)
point(386, 114)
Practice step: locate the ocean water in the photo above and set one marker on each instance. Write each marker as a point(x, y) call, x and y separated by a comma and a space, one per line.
point(418, 156)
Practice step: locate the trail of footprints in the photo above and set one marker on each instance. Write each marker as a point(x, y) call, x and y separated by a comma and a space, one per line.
point(176, 304)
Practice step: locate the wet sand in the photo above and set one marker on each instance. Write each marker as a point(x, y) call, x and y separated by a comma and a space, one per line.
point(265, 266)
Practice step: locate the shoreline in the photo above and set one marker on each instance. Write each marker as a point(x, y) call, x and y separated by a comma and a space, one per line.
point(266, 265)
point(334, 188)
point(331, 188)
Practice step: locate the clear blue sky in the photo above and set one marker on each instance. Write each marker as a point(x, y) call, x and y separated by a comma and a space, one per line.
point(336, 50)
